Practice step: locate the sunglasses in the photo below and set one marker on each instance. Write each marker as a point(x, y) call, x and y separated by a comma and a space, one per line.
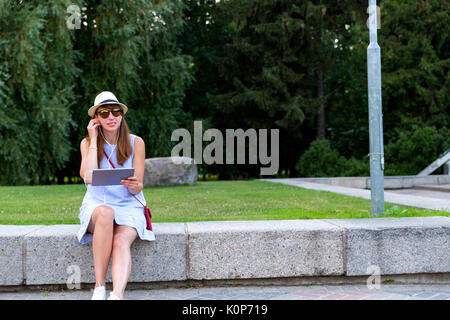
point(105, 112)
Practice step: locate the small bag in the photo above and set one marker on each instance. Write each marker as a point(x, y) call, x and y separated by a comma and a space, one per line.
point(147, 213)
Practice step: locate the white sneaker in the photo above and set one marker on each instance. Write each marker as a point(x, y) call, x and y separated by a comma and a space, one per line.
point(99, 293)
point(112, 296)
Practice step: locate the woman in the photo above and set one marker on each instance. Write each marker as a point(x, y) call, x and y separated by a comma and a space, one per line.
point(110, 216)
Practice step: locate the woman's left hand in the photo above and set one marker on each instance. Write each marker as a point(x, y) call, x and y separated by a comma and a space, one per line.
point(133, 184)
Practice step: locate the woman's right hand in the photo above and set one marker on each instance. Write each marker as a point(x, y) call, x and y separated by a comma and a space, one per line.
point(92, 128)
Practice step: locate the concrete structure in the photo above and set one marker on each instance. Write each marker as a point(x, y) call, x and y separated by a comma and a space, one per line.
point(390, 182)
point(11, 253)
point(44, 255)
point(396, 245)
point(164, 171)
point(264, 249)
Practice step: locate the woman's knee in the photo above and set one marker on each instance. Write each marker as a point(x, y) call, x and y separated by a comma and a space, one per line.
point(121, 241)
point(124, 237)
point(103, 215)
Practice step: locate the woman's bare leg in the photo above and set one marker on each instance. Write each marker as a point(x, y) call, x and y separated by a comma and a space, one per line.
point(121, 257)
point(102, 226)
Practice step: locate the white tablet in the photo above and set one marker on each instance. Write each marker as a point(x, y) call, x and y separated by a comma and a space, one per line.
point(110, 177)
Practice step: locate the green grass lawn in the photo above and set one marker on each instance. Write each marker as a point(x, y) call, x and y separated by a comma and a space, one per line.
point(209, 200)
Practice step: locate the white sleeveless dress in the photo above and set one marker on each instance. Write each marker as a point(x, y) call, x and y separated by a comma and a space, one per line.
point(127, 210)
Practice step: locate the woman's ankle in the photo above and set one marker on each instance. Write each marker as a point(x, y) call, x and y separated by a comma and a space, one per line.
point(118, 294)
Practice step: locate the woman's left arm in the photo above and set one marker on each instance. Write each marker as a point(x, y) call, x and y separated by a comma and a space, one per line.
point(135, 183)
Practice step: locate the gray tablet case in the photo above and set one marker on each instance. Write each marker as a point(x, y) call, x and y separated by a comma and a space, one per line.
point(110, 177)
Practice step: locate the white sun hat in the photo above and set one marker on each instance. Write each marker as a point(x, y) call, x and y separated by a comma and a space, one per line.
point(105, 97)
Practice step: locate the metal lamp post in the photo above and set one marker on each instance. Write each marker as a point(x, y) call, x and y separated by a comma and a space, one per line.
point(375, 115)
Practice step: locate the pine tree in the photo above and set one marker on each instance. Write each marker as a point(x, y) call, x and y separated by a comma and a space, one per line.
point(275, 67)
point(202, 37)
point(414, 38)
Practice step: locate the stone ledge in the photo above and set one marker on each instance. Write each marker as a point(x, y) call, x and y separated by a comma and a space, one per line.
point(390, 182)
point(397, 245)
point(263, 249)
point(52, 249)
point(11, 253)
point(41, 255)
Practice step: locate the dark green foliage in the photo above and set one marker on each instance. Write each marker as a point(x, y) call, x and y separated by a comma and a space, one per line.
point(414, 38)
point(37, 77)
point(347, 103)
point(415, 149)
point(321, 160)
point(273, 65)
point(202, 37)
point(262, 65)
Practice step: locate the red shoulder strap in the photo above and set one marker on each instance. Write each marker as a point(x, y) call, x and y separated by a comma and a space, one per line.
point(147, 212)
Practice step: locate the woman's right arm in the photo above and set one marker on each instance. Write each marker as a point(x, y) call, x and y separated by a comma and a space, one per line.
point(89, 152)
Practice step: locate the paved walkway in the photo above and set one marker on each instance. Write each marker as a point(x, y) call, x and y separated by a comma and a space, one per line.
point(323, 292)
point(424, 192)
point(437, 199)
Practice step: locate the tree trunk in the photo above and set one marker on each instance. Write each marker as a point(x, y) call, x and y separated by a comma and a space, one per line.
point(321, 111)
point(60, 177)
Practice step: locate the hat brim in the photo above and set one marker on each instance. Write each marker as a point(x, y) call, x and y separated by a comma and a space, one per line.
point(91, 111)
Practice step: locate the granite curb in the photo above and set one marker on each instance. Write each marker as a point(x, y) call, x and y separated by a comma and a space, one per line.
point(224, 250)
